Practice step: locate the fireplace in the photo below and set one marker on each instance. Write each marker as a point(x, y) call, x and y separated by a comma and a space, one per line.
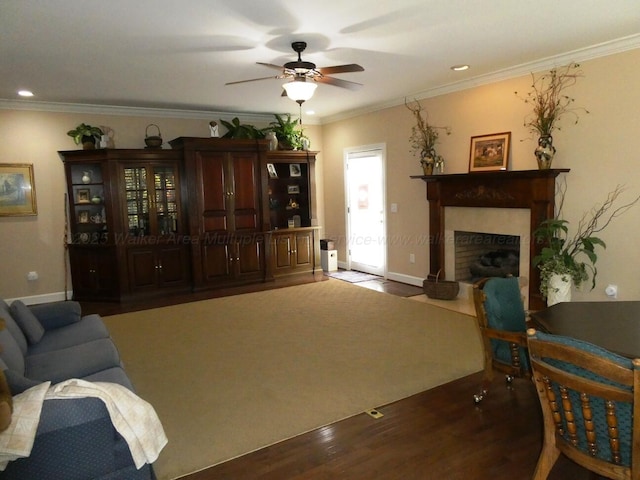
point(478, 255)
point(498, 194)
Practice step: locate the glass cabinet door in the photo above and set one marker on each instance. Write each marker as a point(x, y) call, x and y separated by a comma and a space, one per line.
point(137, 195)
point(152, 200)
point(165, 200)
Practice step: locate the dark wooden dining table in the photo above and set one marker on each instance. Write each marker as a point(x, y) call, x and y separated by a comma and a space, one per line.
point(612, 325)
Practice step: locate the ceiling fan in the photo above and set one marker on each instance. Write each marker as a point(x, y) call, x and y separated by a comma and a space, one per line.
point(300, 71)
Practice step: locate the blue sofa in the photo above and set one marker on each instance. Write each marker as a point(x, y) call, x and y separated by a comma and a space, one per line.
point(75, 439)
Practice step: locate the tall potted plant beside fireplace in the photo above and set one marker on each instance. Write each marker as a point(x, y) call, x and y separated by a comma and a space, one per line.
point(550, 103)
point(424, 138)
point(566, 261)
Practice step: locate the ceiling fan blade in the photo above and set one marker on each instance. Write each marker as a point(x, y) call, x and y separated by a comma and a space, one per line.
point(271, 65)
point(352, 67)
point(337, 82)
point(252, 80)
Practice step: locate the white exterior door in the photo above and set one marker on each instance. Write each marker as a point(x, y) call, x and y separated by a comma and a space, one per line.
point(366, 226)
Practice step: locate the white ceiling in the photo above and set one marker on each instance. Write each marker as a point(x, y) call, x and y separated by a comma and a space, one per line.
point(179, 55)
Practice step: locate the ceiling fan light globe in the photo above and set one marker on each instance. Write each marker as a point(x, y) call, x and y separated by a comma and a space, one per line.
point(299, 90)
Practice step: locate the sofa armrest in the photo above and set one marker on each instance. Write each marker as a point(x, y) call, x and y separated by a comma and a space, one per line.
point(18, 383)
point(75, 440)
point(57, 314)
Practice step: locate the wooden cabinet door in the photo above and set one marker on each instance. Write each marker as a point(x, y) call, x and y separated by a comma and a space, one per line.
point(215, 192)
point(250, 260)
point(157, 267)
point(143, 268)
point(94, 273)
point(240, 259)
point(173, 261)
point(244, 188)
point(217, 261)
point(304, 249)
point(281, 248)
point(292, 252)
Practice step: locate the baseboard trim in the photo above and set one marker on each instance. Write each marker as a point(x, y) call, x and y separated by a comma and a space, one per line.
point(402, 278)
point(44, 298)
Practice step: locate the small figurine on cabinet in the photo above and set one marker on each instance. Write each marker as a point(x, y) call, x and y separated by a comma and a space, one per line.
point(213, 128)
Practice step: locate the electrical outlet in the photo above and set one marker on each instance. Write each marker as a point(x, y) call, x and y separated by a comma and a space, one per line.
point(32, 276)
point(412, 258)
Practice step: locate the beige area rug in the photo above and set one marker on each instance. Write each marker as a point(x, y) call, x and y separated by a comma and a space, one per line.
point(231, 375)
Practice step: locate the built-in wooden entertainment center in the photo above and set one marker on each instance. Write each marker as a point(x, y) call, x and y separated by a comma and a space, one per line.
point(207, 213)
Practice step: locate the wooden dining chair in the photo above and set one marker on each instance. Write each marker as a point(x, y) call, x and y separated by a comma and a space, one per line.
point(590, 401)
point(502, 321)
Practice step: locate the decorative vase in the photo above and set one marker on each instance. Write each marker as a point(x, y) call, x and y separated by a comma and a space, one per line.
point(427, 168)
point(86, 177)
point(544, 152)
point(559, 289)
point(273, 140)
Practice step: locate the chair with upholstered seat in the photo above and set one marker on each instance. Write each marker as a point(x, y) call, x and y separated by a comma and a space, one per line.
point(590, 401)
point(502, 321)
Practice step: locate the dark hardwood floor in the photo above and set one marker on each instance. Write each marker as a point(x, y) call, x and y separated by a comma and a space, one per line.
point(437, 434)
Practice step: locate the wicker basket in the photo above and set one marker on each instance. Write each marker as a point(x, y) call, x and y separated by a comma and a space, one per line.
point(440, 289)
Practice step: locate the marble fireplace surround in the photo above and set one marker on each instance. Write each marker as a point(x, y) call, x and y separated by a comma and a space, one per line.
point(532, 190)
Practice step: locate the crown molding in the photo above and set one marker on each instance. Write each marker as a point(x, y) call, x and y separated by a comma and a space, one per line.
point(612, 47)
point(116, 110)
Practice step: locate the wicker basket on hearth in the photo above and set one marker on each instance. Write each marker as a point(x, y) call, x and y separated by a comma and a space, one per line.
point(440, 289)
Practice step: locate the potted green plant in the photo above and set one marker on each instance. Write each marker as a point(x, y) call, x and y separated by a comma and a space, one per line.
point(550, 103)
point(567, 261)
point(86, 135)
point(235, 129)
point(424, 138)
point(289, 136)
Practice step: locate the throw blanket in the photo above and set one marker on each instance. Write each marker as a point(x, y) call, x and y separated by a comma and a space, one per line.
point(17, 440)
point(132, 417)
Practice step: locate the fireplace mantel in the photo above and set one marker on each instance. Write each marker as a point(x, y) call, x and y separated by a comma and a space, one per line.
point(531, 189)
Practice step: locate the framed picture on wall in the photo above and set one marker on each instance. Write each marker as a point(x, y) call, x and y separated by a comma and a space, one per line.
point(489, 152)
point(17, 190)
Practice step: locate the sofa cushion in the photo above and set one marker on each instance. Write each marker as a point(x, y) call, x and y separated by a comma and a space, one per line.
point(27, 321)
point(112, 375)
point(88, 329)
point(57, 314)
point(72, 362)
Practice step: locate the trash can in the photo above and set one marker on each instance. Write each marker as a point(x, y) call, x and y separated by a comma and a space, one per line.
point(329, 260)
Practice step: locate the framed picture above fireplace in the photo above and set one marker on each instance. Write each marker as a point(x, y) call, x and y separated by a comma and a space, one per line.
point(489, 153)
